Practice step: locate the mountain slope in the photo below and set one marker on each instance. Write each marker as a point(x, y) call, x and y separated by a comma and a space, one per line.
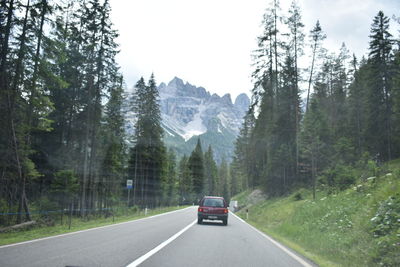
point(190, 112)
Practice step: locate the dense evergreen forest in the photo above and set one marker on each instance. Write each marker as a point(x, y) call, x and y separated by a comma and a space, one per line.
point(312, 127)
point(63, 146)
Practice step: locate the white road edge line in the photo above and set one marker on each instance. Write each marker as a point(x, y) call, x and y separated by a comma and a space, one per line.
point(294, 256)
point(159, 247)
point(91, 229)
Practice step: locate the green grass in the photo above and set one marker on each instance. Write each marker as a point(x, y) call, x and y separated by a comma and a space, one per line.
point(76, 225)
point(336, 229)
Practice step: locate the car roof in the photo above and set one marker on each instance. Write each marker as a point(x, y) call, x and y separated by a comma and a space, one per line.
point(212, 197)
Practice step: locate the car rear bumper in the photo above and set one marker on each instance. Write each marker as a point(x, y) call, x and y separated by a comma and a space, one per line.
point(207, 216)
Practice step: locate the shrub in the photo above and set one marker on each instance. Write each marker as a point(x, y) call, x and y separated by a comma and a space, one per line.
point(297, 196)
point(339, 177)
point(387, 217)
point(386, 230)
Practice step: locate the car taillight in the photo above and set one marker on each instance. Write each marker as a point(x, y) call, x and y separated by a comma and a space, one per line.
point(225, 210)
point(200, 209)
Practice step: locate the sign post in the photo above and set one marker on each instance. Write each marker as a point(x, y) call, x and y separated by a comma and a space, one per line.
point(129, 186)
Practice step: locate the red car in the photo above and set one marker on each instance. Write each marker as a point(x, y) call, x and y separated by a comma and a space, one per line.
point(212, 208)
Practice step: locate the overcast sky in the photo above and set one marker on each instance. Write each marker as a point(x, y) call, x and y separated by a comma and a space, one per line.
point(209, 42)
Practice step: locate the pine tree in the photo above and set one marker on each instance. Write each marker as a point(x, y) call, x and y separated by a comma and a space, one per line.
point(224, 180)
point(65, 186)
point(24, 96)
point(316, 36)
point(396, 106)
point(210, 173)
point(185, 182)
point(196, 167)
point(148, 156)
point(314, 138)
point(243, 158)
point(170, 181)
point(112, 168)
point(379, 107)
point(285, 151)
point(356, 106)
point(296, 45)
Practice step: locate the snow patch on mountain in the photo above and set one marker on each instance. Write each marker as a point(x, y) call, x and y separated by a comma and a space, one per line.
point(188, 111)
point(191, 111)
point(196, 126)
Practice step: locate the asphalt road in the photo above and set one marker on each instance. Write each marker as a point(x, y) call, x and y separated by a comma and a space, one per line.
point(172, 239)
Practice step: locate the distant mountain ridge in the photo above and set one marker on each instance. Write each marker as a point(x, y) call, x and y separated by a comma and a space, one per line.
point(189, 112)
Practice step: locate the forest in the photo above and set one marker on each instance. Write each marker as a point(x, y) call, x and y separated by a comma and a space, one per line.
point(314, 127)
point(63, 144)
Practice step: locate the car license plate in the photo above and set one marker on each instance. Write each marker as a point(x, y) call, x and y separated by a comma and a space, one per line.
point(212, 217)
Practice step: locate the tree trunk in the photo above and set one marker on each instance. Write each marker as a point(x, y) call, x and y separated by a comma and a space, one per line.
point(86, 170)
point(311, 74)
point(18, 70)
point(4, 45)
point(276, 46)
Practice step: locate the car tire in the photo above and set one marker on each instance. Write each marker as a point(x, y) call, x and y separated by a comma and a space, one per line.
point(199, 221)
point(225, 222)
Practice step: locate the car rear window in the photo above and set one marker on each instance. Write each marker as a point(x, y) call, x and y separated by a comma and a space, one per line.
point(213, 202)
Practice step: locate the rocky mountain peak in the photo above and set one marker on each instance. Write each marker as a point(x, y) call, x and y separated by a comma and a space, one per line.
point(162, 86)
point(189, 112)
point(176, 87)
point(226, 99)
point(242, 102)
point(176, 82)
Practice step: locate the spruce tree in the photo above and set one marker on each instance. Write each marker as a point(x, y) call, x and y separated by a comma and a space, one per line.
point(224, 181)
point(316, 36)
point(148, 156)
point(356, 106)
point(379, 107)
point(185, 182)
point(196, 167)
point(113, 143)
point(210, 172)
point(396, 106)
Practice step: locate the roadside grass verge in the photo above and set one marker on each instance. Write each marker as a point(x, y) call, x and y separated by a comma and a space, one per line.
point(335, 229)
point(77, 224)
point(242, 198)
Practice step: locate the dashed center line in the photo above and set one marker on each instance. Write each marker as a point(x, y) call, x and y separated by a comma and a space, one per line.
point(159, 247)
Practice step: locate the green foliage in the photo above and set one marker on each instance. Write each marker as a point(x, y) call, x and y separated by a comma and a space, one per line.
point(170, 181)
point(387, 218)
point(148, 157)
point(210, 173)
point(358, 226)
point(196, 167)
point(386, 230)
point(373, 168)
point(65, 181)
point(352, 110)
point(298, 196)
point(43, 206)
point(224, 181)
point(387, 251)
point(186, 195)
point(222, 143)
point(338, 177)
